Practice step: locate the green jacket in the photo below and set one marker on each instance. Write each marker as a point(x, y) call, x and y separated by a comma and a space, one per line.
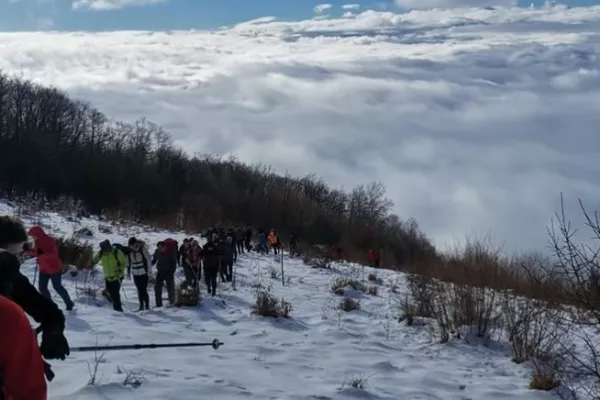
point(114, 264)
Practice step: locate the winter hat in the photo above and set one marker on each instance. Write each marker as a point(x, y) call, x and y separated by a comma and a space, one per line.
point(132, 241)
point(12, 235)
point(12, 239)
point(105, 246)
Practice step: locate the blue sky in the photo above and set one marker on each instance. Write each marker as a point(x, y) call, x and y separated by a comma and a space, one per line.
point(25, 15)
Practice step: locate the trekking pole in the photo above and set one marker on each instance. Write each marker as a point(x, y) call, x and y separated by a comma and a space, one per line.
point(35, 272)
point(215, 344)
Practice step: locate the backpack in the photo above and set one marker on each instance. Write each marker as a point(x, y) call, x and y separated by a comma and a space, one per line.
point(126, 250)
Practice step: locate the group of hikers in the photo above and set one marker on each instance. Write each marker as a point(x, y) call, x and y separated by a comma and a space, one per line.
point(23, 369)
point(212, 260)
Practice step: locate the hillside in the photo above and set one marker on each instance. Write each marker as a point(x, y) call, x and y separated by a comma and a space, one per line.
point(319, 353)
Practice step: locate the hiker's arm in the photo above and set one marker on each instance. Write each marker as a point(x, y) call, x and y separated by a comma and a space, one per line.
point(96, 259)
point(123, 262)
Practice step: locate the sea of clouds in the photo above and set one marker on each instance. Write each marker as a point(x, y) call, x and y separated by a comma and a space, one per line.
point(475, 119)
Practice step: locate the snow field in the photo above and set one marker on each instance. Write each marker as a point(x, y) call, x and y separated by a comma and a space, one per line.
point(320, 353)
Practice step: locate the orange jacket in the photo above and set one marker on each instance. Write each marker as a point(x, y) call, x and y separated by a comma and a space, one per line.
point(21, 363)
point(272, 238)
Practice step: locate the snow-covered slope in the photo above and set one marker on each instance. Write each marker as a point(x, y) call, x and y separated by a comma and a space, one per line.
point(317, 354)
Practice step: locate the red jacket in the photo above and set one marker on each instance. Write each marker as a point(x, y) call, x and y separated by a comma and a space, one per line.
point(373, 255)
point(22, 376)
point(46, 252)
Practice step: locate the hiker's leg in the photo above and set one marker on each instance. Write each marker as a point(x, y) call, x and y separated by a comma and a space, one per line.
point(171, 287)
point(158, 285)
point(60, 289)
point(144, 289)
point(114, 289)
point(43, 285)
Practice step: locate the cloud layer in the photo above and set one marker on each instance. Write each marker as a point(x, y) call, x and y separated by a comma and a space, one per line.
point(107, 5)
point(474, 119)
point(429, 4)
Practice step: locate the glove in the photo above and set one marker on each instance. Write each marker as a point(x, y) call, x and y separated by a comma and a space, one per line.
point(54, 344)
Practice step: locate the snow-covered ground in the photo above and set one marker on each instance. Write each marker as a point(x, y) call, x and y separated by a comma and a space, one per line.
point(317, 354)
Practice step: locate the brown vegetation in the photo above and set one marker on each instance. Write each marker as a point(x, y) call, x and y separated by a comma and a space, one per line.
point(267, 305)
point(73, 252)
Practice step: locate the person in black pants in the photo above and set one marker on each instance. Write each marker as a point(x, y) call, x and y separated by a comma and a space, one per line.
point(228, 251)
point(210, 255)
point(239, 240)
point(248, 239)
point(166, 264)
point(139, 268)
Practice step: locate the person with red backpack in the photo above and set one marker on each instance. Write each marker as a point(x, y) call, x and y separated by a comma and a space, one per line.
point(21, 364)
point(50, 265)
point(173, 247)
point(14, 342)
point(374, 258)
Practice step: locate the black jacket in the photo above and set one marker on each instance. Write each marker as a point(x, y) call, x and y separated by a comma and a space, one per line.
point(166, 262)
point(210, 255)
point(228, 251)
point(16, 286)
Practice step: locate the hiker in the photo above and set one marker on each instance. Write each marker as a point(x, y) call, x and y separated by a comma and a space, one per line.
point(210, 263)
point(193, 258)
point(374, 258)
point(139, 269)
point(228, 258)
point(114, 264)
point(239, 240)
point(21, 364)
point(293, 245)
point(336, 253)
point(185, 262)
point(262, 242)
point(182, 252)
point(16, 287)
point(173, 247)
point(248, 239)
point(273, 240)
point(166, 265)
point(49, 265)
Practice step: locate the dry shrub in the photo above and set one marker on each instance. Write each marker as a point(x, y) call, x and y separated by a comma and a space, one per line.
point(187, 296)
point(577, 265)
point(535, 330)
point(73, 252)
point(348, 305)
point(372, 278)
point(463, 298)
point(544, 380)
point(373, 290)
point(266, 305)
point(318, 256)
point(339, 285)
point(408, 312)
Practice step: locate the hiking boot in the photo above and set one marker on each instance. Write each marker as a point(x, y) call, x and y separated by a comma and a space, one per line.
point(70, 306)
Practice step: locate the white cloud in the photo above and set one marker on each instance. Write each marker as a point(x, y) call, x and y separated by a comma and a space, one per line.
point(475, 119)
point(429, 4)
point(107, 5)
point(321, 8)
point(350, 6)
